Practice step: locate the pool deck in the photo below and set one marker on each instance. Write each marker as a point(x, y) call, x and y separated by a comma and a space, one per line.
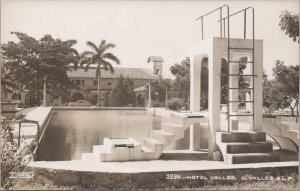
point(154, 165)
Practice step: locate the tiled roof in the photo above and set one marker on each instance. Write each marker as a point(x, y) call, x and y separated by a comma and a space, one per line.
point(133, 73)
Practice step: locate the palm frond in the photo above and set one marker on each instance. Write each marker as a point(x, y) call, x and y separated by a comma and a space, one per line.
point(75, 52)
point(87, 54)
point(108, 46)
point(92, 45)
point(102, 44)
point(112, 57)
point(85, 61)
point(107, 66)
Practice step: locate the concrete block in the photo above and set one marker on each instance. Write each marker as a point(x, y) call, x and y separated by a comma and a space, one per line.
point(154, 145)
point(147, 153)
point(234, 124)
point(195, 137)
point(255, 147)
point(241, 136)
point(250, 158)
point(88, 156)
point(175, 129)
point(163, 136)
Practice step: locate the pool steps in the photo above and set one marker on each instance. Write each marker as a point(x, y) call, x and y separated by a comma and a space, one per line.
point(151, 149)
point(236, 147)
point(245, 147)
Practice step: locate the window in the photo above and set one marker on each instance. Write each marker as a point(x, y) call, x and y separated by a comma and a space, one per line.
point(95, 82)
point(82, 82)
point(77, 82)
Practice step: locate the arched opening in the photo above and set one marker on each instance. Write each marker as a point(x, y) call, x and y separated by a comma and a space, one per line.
point(77, 96)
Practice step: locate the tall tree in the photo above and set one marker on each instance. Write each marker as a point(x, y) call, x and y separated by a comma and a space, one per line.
point(31, 60)
point(181, 85)
point(289, 23)
point(288, 76)
point(158, 90)
point(101, 57)
point(122, 93)
point(275, 96)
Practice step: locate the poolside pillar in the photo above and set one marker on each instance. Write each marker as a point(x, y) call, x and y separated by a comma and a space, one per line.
point(215, 54)
point(258, 86)
point(213, 49)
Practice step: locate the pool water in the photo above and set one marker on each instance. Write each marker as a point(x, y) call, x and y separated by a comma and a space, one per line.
point(73, 132)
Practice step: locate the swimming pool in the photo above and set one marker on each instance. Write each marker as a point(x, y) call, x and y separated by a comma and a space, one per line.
point(73, 132)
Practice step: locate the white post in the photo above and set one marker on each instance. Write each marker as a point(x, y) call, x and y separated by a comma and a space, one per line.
point(166, 99)
point(149, 95)
point(45, 93)
point(149, 105)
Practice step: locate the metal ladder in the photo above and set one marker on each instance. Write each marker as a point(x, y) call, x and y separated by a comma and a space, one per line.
point(229, 49)
point(252, 75)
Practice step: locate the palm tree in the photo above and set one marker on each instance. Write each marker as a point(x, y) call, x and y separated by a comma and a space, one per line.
point(101, 57)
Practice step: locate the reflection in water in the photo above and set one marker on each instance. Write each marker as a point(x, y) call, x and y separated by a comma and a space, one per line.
point(71, 133)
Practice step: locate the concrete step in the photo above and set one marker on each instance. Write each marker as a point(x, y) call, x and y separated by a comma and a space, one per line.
point(101, 152)
point(241, 136)
point(250, 158)
point(153, 144)
point(147, 153)
point(163, 136)
point(173, 128)
point(241, 147)
point(184, 155)
point(88, 157)
point(103, 157)
point(101, 149)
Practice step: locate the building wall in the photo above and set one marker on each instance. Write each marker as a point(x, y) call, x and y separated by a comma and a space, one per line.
point(105, 83)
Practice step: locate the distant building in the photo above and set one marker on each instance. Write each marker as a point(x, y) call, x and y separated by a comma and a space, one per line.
point(86, 81)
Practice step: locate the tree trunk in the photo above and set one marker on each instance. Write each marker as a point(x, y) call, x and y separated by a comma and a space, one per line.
point(99, 95)
point(292, 111)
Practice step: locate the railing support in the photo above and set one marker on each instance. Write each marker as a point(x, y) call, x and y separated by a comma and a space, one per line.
point(201, 18)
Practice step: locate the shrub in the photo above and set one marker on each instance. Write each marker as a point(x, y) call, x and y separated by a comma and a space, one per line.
point(175, 104)
point(13, 159)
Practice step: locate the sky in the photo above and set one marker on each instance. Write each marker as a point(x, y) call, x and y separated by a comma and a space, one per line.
point(148, 28)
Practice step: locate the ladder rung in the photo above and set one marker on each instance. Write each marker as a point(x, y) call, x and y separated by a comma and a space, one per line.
point(235, 61)
point(238, 48)
point(239, 75)
point(242, 101)
point(241, 115)
point(240, 88)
